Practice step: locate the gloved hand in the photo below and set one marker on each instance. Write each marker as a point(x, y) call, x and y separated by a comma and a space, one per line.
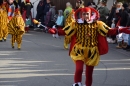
point(52, 31)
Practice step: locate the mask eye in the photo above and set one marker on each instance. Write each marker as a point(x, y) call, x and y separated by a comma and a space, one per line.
point(85, 14)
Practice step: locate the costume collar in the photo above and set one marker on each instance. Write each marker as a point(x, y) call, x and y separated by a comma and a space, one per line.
point(80, 21)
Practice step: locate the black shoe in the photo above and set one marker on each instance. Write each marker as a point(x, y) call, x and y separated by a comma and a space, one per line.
point(128, 47)
point(1, 40)
point(12, 46)
point(5, 40)
point(19, 48)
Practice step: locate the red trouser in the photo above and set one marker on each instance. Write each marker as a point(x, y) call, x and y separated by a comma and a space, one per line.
point(79, 71)
point(26, 29)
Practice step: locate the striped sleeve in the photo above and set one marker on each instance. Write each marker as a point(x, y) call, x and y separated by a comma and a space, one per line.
point(70, 29)
point(102, 28)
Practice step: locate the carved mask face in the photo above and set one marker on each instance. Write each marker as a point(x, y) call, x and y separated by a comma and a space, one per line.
point(86, 14)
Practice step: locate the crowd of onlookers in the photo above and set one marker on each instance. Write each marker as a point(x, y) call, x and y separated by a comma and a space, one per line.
point(119, 16)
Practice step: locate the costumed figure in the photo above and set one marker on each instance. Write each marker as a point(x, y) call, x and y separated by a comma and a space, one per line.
point(3, 22)
point(26, 14)
point(90, 42)
point(69, 19)
point(16, 28)
point(11, 8)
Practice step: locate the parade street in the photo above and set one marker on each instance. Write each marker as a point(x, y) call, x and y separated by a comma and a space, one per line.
point(43, 61)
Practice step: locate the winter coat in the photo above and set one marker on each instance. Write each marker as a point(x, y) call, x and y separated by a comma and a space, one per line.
point(60, 19)
point(124, 17)
point(40, 7)
point(53, 12)
point(46, 8)
point(111, 16)
point(103, 13)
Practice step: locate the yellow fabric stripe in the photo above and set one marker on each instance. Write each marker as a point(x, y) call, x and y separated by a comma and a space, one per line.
point(70, 29)
point(102, 28)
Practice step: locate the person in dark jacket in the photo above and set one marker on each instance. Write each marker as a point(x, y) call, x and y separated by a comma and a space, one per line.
point(103, 11)
point(111, 15)
point(128, 45)
point(52, 10)
point(46, 9)
point(128, 25)
point(124, 15)
point(26, 6)
point(113, 19)
point(40, 8)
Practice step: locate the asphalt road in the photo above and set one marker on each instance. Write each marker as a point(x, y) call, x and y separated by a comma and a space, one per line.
point(42, 61)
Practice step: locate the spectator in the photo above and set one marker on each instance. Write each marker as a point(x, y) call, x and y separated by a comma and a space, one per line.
point(113, 18)
point(92, 4)
point(40, 8)
point(111, 15)
point(67, 11)
point(127, 48)
point(46, 9)
point(50, 16)
point(103, 10)
point(26, 14)
point(19, 2)
point(79, 4)
point(128, 25)
point(70, 18)
point(124, 16)
point(52, 10)
point(59, 21)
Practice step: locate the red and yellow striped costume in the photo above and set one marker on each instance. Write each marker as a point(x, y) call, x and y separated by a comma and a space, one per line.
point(86, 48)
point(68, 21)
